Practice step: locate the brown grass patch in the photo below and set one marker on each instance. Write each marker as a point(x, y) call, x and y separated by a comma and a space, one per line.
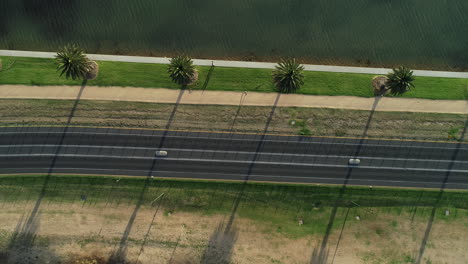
point(73, 233)
point(319, 122)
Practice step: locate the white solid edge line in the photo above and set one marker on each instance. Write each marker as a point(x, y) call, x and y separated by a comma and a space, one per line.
point(233, 161)
point(241, 175)
point(229, 152)
point(256, 140)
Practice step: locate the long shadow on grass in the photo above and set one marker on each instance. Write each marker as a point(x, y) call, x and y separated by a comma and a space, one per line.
point(145, 239)
point(320, 254)
point(241, 102)
point(23, 237)
point(208, 76)
point(441, 193)
point(120, 255)
point(222, 240)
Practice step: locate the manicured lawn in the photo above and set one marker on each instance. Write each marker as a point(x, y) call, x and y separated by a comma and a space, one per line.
point(36, 71)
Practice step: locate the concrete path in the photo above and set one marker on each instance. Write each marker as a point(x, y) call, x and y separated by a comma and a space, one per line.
point(233, 98)
point(236, 64)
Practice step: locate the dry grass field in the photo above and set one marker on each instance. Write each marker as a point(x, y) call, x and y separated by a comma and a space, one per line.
point(76, 220)
point(252, 119)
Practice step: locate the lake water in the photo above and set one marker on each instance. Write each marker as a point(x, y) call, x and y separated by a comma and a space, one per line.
point(429, 34)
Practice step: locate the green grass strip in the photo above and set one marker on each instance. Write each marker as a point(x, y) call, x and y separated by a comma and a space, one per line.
point(278, 205)
point(38, 71)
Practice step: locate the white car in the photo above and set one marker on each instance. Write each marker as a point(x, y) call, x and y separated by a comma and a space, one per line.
point(354, 161)
point(160, 153)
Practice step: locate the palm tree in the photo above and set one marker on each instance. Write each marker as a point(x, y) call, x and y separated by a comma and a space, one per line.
point(287, 76)
point(400, 80)
point(72, 62)
point(181, 70)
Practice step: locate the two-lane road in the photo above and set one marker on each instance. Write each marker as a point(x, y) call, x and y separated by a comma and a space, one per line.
point(233, 157)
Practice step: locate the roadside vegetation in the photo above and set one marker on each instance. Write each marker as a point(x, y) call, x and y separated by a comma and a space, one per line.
point(280, 202)
point(38, 71)
point(252, 119)
point(288, 76)
point(182, 71)
point(400, 80)
point(285, 222)
point(72, 62)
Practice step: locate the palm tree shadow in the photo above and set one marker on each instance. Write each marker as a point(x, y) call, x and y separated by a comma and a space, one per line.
point(26, 231)
point(120, 255)
point(320, 254)
point(441, 193)
point(221, 243)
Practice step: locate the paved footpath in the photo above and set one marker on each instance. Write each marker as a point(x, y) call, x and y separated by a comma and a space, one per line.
point(233, 98)
point(236, 64)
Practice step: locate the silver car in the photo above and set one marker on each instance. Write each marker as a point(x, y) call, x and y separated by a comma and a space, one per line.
point(161, 153)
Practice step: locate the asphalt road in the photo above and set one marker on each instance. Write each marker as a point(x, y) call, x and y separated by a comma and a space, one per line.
point(229, 156)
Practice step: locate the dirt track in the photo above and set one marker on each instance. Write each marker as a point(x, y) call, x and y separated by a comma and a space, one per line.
point(233, 98)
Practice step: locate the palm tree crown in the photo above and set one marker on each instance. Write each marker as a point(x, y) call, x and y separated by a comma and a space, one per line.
point(72, 62)
point(181, 69)
point(400, 80)
point(287, 76)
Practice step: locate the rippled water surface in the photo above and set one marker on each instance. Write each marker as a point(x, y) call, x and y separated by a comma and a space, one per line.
point(420, 33)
